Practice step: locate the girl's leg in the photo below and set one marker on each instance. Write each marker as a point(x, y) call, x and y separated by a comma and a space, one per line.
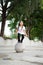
point(18, 37)
point(22, 38)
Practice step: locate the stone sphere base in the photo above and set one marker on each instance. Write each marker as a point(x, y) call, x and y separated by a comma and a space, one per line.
point(19, 47)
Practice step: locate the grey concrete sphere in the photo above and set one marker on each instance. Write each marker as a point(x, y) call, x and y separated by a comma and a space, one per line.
point(19, 47)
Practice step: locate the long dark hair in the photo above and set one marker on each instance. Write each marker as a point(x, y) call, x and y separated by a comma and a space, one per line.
point(19, 24)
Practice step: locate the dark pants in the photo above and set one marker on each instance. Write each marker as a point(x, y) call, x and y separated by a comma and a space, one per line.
point(22, 37)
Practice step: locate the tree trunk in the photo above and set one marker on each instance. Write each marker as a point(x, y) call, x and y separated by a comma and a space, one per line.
point(28, 32)
point(29, 27)
point(3, 22)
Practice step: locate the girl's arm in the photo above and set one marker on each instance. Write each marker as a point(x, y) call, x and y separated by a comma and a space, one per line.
point(25, 32)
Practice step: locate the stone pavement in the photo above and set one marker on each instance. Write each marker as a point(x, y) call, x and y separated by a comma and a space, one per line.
point(32, 55)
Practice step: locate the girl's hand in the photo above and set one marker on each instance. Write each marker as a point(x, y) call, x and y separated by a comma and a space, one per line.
point(26, 35)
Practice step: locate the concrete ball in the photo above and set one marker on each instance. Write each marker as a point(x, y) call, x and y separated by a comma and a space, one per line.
point(19, 47)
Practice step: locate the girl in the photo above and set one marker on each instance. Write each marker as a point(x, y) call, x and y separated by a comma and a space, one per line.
point(21, 32)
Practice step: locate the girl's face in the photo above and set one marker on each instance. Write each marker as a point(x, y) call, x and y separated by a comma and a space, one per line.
point(21, 23)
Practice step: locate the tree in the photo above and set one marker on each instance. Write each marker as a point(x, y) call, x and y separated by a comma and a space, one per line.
point(6, 6)
point(15, 9)
point(23, 12)
point(37, 24)
point(32, 15)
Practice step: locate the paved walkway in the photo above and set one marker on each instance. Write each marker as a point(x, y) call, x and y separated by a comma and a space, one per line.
point(32, 55)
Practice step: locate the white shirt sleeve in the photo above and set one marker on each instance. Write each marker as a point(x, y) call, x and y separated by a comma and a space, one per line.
point(24, 28)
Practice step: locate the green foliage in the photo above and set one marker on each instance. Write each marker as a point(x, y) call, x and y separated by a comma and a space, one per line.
point(31, 13)
point(22, 10)
point(37, 24)
point(14, 36)
point(42, 4)
point(35, 32)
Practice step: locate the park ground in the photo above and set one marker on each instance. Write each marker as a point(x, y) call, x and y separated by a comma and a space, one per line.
point(32, 55)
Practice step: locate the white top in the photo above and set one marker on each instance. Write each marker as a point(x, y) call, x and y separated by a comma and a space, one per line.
point(21, 30)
